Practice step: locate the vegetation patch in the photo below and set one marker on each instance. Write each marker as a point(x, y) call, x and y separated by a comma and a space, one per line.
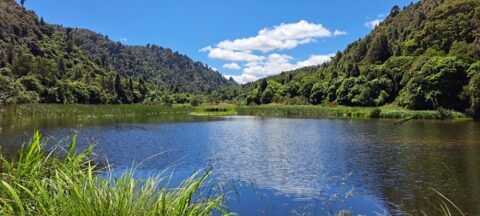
point(328, 111)
point(215, 110)
point(94, 110)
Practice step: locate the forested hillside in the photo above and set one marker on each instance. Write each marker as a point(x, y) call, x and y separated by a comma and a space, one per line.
point(424, 56)
point(40, 62)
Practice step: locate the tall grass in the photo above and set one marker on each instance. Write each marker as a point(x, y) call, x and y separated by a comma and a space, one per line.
point(330, 111)
point(215, 110)
point(94, 110)
point(65, 182)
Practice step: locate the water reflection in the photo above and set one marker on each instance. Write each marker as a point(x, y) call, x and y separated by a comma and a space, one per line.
point(290, 166)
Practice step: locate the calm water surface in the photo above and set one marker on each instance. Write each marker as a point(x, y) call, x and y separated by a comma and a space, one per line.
point(287, 166)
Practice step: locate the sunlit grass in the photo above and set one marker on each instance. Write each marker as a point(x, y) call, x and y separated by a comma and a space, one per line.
point(41, 182)
point(331, 111)
point(215, 110)
point(95, 110)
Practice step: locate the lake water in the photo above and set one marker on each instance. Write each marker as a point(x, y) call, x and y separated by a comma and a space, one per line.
point(280, 166)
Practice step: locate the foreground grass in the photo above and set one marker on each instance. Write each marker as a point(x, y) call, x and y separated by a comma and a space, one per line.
point(95, 110)
point(65, 183)
point(322, 111)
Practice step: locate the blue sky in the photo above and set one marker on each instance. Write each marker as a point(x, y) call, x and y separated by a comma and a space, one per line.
point(225, 34)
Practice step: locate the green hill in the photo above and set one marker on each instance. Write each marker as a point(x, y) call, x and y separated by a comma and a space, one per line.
point(424, 56)
point(40, 62)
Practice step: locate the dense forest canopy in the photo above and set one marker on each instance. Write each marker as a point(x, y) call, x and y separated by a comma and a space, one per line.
point(40, 62)
point(424, 56)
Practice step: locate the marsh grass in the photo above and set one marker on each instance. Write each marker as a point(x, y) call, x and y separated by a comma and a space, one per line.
point(66, 182)
point(95, 110)
point(330, 111)
point(215, 110)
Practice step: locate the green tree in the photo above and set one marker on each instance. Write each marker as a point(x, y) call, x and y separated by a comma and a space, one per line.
point(438, 84)
point(379, 51)
point(318, 93)
point(120, 90)
point(473, 89)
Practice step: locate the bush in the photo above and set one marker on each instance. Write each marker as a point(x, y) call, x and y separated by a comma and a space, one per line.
point(375, 113)
point(196, 101)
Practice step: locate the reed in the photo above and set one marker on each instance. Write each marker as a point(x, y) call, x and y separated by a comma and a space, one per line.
point(331, 111)
point(94, 110)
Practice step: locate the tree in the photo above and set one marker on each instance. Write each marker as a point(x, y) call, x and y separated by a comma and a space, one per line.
point(70, 46)
point(263, 85)
point(438, 84)
point(62, 67)
point(119, 89)
point(473, 89)
point(394, 11)
point(22, 2)
point(11, 53)
point(379, 50)
point(317, 94)
point(143, 89)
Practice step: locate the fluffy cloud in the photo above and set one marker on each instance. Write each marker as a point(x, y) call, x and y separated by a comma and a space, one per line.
point(339, 33)
point(314, 60)
point(244, 78)
point(276, 63)
point(284, 36)
point(230, 55)
point(256, 54)
point(373, 23)
point(233, 66)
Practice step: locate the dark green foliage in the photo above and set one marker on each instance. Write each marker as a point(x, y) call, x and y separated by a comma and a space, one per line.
point(196, 101)
point(379, 50)
point(438, 84)
point(473, 89)
point(67, 65)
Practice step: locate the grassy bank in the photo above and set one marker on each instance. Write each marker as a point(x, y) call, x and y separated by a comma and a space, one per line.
point(309, 111)
point(42, 182)
point(274, 110)
point(94, 110)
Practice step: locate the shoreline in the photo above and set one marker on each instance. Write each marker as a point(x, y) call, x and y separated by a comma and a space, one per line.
point(272, 110)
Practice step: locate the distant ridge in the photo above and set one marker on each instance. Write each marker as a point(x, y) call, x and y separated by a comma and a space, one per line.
point(54, 64)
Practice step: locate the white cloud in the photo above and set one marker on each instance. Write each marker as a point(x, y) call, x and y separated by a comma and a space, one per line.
point(314, 60)
point(214, 69)
point(123, 40)
point(338, 32)
point(233, 66)
point(284, 36)
point(373, 23)
point(276, 63)
point(256, 53)
point(229, 55)
point(244, 78)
